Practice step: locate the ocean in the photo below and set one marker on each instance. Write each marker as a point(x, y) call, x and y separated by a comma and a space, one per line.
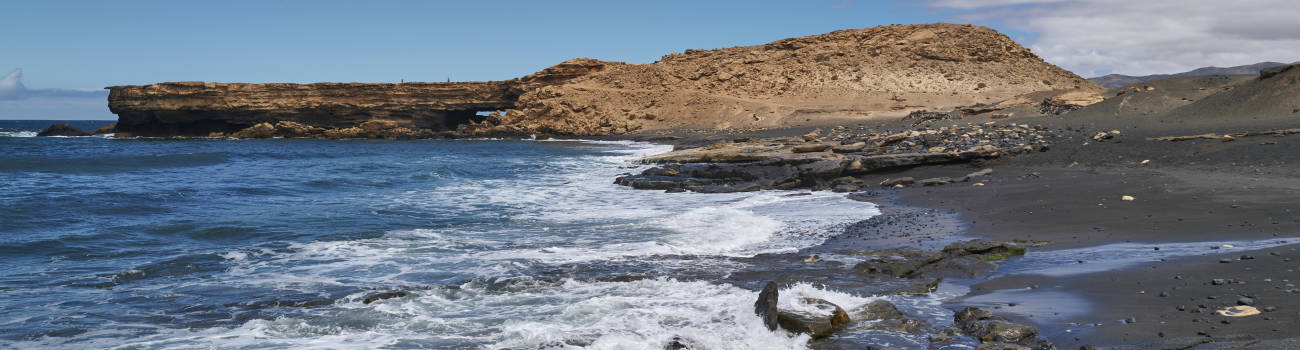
point(278, 243)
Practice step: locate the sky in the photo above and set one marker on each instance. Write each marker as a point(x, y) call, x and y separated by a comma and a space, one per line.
point(87, 45)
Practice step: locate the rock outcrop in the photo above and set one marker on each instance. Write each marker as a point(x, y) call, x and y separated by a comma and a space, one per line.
point(62, 130)
point(198, 109)
point(833, 164)
point(961, 260)
point(878, 71)
point(856, 73)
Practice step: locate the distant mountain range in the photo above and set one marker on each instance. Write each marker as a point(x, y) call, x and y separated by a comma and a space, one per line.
point(1111, 81)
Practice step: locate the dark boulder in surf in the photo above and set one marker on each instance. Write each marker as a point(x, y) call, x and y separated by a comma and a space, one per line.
point(765, 306)
point(62, 130)
point(817, 317)
point(381, 296)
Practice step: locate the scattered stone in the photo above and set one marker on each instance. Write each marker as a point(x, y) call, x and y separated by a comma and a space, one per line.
point(936, 181)
point(817, 147)
point(813, 258)
point(1245, 301)
point(1238, 311)
point(897, 181)
point(812, 135)
point(984, 172)
point(849, 148)
point(1127, 198)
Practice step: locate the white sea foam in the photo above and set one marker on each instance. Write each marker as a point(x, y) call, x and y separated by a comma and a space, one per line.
point(567, 211)
point(18, 134)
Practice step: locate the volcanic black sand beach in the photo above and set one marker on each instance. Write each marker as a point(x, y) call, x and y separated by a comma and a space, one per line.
point(1204, 192)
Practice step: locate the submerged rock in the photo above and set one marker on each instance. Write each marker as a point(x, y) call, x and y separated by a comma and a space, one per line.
point(382, 296)
point(816, 317)
point(889, 318)
point(995, 332)
point(62, 130)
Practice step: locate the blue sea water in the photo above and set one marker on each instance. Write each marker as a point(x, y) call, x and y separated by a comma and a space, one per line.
point(267, 244)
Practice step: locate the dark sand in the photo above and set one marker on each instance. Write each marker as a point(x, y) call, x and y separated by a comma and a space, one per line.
point(1192, 191)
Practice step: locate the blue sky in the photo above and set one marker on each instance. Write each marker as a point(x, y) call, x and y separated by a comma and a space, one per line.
point(92, 44)
point(87, 45)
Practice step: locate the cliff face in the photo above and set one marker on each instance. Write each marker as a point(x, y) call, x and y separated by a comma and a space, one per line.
point(883, 71)
point(196, 108)
point(876, 72)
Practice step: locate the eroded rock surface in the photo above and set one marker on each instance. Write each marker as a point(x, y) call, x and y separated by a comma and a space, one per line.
point(788, 163)
point(961, 259)
point(879, 71)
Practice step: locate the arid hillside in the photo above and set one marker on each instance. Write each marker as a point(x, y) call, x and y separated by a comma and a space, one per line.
point(877, 72)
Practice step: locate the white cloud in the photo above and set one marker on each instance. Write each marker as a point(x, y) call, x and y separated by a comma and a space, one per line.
point(19, 102)
point(1138, 37)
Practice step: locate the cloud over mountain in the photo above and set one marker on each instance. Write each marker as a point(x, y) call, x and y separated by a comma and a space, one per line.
point(1096, 37)
point(19, 102)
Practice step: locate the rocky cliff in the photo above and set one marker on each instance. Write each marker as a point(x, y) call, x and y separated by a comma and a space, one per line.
point(859, 74)
point(884, 71)
point(196, 108)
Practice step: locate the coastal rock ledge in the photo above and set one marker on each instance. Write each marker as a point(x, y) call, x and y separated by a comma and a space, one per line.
point(842, 76)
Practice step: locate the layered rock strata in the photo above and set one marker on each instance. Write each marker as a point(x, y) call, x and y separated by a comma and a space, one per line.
point(884, 71)
point(833, 163)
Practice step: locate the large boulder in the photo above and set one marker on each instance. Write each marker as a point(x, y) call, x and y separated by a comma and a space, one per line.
point(816, 317)
point(62, 130)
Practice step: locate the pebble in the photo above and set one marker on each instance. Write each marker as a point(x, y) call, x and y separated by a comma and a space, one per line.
point(1131, 319)
point(1247, 257)
point(1218, 281)
point(1268, 309)
point(1212, 297)
point(1181, 308)
point(1225, 261)
point(1245, 301)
